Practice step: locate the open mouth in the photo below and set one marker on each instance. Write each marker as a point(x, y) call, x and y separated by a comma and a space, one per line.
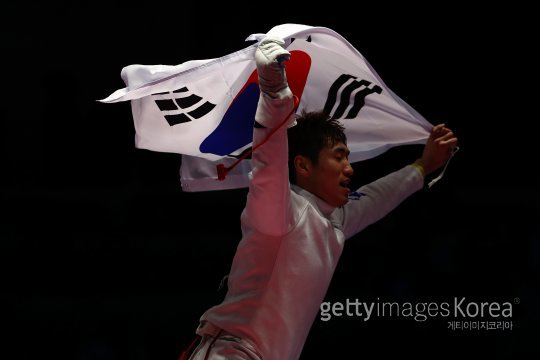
point(345, 184)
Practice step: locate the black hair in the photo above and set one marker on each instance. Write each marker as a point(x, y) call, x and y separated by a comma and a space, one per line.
point(314, 131)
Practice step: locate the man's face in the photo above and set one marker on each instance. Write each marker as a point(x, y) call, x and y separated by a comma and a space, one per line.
point(329, 179)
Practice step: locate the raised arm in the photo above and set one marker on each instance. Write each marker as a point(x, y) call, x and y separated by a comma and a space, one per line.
point(268, 203)
point(381, 196)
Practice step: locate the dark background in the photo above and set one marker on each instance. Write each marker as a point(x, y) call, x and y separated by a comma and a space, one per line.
point(104, 257)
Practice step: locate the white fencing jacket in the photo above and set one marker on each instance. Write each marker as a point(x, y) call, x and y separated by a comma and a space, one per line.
point(292, 241)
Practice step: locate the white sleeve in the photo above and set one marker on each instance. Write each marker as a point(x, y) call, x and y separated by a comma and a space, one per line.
point(379, 198)
point(268, 208)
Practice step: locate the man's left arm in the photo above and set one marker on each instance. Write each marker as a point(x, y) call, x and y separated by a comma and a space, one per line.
point(383, 195)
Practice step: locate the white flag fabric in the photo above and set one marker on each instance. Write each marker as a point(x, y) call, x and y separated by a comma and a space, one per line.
point(205, 109)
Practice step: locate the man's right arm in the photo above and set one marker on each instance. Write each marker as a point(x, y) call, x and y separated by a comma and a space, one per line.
point(268, 203)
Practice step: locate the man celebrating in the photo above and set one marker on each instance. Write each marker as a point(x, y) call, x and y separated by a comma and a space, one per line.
point(296, 220)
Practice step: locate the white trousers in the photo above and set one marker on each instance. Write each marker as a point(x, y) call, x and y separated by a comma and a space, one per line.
point(217, 344)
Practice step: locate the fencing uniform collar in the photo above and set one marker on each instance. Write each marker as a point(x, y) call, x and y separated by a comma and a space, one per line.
point(322, 206)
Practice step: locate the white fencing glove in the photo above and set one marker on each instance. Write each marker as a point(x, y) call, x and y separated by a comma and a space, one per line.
point(270, 57)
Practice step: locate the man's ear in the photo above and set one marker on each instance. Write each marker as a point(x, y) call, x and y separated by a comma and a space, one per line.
point(302, 166)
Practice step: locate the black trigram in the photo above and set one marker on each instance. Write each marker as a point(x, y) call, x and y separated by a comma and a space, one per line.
point(173, 105)
point(345, 98)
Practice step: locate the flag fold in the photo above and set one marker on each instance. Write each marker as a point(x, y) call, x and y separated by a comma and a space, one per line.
point(205, 109)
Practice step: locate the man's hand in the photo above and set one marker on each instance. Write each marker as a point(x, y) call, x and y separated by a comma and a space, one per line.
point(270, 57)
point(438, 148)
